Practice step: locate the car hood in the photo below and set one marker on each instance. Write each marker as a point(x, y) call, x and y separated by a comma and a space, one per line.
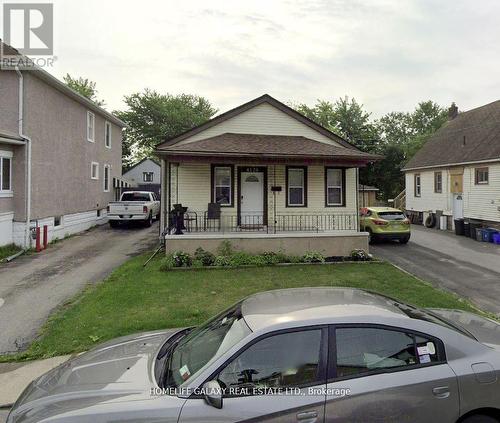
point(486, 331)
point(118, 370)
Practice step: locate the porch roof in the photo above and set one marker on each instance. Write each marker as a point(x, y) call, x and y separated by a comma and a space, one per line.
point(255, 146)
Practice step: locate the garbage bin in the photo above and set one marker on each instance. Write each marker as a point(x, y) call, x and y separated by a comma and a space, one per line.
point(479, 234)
point(488, 234)
point(473, 232)
point(467, 229)
point(459, 227)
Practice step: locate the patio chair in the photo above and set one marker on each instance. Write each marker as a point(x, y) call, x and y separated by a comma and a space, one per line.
point(212, 214)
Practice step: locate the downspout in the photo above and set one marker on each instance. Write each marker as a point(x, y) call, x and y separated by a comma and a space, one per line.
point(27, 233)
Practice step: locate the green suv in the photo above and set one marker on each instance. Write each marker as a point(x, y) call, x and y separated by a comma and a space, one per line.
point(385, 223)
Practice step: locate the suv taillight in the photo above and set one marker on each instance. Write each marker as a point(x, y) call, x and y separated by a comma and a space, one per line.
point(144, 209)
point(406, 222)
point(380, 222)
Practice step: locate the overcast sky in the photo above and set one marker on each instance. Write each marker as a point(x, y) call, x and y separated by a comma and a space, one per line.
point(388, 54)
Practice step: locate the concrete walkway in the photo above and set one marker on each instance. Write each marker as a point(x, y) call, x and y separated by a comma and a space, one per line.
point(464, 266)
point(15, 377)
point(32, 286)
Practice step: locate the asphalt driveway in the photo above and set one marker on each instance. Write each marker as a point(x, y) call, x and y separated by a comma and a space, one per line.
point(32, 286)
point(464, 266)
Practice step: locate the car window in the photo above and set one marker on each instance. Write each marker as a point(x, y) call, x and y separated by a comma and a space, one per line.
point(392, 215)
point(135, 196)
point(363, 350)
point(279, 361)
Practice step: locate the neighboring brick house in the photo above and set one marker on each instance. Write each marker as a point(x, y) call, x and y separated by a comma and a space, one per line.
point(60, 156)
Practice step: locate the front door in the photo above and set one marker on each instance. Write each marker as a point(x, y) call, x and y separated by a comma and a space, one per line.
point(458, 206)
point(252, 197)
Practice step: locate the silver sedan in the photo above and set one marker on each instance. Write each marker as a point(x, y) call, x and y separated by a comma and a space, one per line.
point(297, 355)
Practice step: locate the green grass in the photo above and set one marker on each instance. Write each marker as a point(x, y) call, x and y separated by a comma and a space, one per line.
point(136, 299)
point(8, 250)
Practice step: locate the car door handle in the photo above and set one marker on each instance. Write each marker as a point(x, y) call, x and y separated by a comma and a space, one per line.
point(307, 417)
point(441, 392)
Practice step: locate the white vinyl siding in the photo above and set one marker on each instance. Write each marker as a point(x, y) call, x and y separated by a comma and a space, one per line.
point(482, 201)
point(190, 186)
point(90, 127)
point(428, 200)
point(262, 119)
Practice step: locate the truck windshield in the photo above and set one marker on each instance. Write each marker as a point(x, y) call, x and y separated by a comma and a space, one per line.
point(135, 196)
point(391, 215)
point(204, 345)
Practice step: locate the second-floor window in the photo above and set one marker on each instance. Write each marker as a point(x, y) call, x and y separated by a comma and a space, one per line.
point(107, 134)
point(147, 176)
point(106, 177)
point(418, 185)
point(5, 173)
point(482, 176)
point(90, 126)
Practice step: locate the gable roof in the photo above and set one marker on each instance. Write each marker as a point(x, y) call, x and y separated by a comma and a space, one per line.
point(266, 98)
point(62, 87)
point(142, 161)
point(473, 136)
point(269, 146)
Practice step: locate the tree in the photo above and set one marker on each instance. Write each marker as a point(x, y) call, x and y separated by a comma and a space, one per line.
point(152, 117)
point(346, 118)
point(83, 86)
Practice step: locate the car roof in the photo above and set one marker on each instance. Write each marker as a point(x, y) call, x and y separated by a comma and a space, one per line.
point(270, 308)
point(384, 209)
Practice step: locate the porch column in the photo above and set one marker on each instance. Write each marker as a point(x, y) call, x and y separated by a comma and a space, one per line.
point(164, 200)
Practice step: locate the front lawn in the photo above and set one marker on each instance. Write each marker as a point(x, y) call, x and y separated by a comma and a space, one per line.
point(137, 299)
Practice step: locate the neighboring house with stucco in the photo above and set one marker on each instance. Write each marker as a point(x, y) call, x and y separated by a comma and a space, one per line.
point(60, 157)
point(457, 171)
point(145, 175)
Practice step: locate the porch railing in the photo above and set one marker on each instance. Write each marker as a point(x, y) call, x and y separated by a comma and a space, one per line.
point(198, 222)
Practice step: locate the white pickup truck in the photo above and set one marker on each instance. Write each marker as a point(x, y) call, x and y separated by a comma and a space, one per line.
point(134, 206)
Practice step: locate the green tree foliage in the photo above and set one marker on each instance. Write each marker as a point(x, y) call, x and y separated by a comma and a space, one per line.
point(152, 117)
point(397, 136)
point(83, 86)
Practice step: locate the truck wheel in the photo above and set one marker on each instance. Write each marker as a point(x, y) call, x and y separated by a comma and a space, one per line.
point(114, 223)
point(149, 220)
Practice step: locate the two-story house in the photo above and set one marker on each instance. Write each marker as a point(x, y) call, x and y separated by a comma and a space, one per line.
point(145, 175)
point(60, 157)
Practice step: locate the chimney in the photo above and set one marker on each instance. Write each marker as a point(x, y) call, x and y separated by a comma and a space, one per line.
point(452, 111)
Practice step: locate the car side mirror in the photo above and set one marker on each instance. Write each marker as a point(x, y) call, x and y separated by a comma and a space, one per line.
point(212, 393)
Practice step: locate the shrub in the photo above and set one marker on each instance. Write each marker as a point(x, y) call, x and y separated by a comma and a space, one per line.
point(270, 257)
point(313, 257)
point(167, 263)
point(182, 259)
point(225, 248)
point(222, 261)
point(203, 256)
point(360, 255)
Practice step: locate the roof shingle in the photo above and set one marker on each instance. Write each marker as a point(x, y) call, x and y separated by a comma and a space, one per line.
point(471, 137)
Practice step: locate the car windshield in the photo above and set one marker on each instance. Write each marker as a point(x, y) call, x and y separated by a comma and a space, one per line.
point(135, 196)
point(391, 215)
point(204, 345)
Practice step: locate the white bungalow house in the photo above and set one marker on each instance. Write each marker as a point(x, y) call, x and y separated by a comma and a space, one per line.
point(457, 172)
point(264, 177)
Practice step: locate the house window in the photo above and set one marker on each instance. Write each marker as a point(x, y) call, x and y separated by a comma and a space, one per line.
point(418, 186)
point(107, 135)
point(106, 177)
point(222, 185)
point(482, 176)
point(94, 170)
point(438, 182)
point(5, 174)
point(334, 187)
point(90, 126)
point(57, 220)
point(296, 186)
point(147, 176)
